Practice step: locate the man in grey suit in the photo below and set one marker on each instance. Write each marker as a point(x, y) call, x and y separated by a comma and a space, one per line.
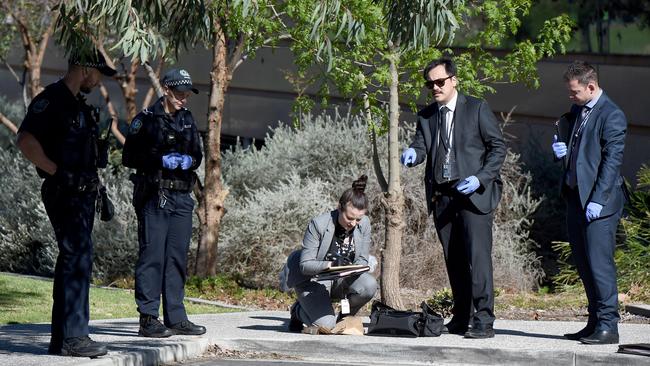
point(593, 189)
point(463, 146)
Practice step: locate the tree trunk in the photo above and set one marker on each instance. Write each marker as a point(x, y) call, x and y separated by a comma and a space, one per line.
point(35, 55)
point(393, 200)
point(211, 202)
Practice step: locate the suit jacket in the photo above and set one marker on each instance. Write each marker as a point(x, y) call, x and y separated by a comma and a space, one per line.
point(478, 144)
point(304, 263)
point(600, 155)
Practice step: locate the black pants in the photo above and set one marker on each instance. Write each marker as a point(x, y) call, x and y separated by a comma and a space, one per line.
point(72, 215)
point(466, 237)
point(592, 247)
point(164, 236)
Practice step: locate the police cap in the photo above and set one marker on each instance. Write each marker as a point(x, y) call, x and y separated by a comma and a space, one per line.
point(92, 59)
point(180, 80)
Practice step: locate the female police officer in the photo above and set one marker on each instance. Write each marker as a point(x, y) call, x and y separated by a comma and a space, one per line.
point(163, 145)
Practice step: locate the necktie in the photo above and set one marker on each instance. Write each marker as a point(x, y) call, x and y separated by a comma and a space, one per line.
point(572, 179)
point(443, 126)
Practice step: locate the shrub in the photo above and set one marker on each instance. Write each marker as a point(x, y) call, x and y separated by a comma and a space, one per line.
point(260, 231)
point(116, 241)
point(27, 243)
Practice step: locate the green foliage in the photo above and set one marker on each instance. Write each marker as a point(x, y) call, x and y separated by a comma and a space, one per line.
point(415, 24)
point(567, 276)
point(143, 28)
point(356, 62)
point(442, 302)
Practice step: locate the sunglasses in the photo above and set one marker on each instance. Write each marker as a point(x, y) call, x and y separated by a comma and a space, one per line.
point(438, 82)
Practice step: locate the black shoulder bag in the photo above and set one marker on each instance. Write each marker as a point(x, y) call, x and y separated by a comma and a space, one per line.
point(386, 321)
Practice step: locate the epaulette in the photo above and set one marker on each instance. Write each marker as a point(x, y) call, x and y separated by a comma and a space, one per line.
point(147, 112)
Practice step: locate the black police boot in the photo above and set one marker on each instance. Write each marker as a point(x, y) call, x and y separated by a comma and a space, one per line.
point(186, 327)
point(82, 347)
point(152, 327)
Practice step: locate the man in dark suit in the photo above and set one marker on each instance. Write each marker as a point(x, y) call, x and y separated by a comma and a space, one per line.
point(462, 144)
point(593, 189)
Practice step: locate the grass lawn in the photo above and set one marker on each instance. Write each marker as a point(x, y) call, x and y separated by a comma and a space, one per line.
point(28, 300)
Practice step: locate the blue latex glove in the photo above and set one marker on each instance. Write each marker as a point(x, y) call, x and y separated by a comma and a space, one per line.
point(185, 161)
point(171, 161)
point(593, 211)
point(559, 148)
point(468, 185)
point(408, 156)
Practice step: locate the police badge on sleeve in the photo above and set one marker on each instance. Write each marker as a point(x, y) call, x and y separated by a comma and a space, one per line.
point(135, 126)
point(40, 105)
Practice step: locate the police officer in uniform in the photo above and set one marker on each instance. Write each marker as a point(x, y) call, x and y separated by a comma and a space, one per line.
point(163, 145)
point(59, 135)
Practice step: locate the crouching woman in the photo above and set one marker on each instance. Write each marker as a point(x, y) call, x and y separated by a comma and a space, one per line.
point(335, 238)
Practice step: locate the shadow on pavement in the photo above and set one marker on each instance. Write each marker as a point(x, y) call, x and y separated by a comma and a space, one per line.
point(19, 338)
point(526, 334)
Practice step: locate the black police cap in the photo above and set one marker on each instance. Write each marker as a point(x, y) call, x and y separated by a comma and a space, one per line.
point(93, 59)
point(179, 79)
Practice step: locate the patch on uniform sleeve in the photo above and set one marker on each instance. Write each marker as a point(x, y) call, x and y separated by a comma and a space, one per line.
point(135, 126)
point(40, 105)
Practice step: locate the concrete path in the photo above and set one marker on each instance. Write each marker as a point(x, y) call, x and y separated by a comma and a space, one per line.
point(264, 332)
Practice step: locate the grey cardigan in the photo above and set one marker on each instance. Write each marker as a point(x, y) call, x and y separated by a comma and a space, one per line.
point(304, 263)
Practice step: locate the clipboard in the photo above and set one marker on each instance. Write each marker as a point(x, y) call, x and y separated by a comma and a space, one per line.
point(337, 272)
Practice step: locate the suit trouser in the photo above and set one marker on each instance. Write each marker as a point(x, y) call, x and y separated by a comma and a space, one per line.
point(466, 237)
point(72, 215)
point(592, 247)
point(164, 236)
point(315, 298)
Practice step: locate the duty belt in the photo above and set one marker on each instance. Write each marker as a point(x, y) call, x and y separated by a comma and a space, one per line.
point(78, 184)
point(176, 185)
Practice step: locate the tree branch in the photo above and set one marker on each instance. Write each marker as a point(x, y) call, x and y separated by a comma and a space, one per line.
point(12, 71)
point(114, 117)
point(7, 122)
point(237, 56)
point(153, 78)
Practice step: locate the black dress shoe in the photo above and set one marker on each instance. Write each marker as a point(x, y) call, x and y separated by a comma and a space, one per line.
point(295, 324)
point(186, 327)
point(480, 331)
point(152, 328)
point(82, 347)
point(586, 331)
point(454, 327)
point(601, 337)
